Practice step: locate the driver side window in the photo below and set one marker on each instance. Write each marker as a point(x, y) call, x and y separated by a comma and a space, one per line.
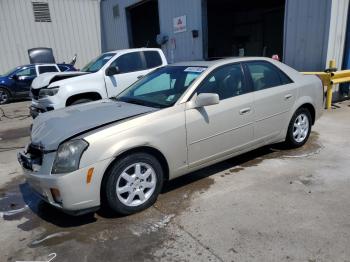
point(28, 72)
point(227, 81)
point(129, 62)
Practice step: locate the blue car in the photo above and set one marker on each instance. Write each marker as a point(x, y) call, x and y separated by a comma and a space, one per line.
point(16, 83)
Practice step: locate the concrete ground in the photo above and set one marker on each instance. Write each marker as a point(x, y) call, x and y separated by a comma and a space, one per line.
point(267, 205)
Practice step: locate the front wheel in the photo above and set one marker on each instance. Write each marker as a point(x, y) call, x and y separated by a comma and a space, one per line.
point(133, 183)
point(299, 128)
point(4, 96)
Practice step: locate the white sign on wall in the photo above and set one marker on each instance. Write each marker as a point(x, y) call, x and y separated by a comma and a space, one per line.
point(179, 24)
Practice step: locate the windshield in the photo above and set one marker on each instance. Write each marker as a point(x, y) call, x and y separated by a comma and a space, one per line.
point(10, 71)
point(97, 63)
point(161, 88)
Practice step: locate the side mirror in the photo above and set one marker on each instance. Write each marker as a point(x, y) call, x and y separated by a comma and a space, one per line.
point(205, 99)
point(112, 70)
point(15, 77)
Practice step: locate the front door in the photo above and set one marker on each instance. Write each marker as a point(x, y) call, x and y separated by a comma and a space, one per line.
point(217, 130)
point(23, 80)
point(131, 68)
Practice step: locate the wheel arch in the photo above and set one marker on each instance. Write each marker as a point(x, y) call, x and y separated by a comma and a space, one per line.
point(90, 95)
point(311, 109)
point(8, 90)
point(143, 149)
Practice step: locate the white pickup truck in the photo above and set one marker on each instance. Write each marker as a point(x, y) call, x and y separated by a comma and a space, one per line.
point(105, 76)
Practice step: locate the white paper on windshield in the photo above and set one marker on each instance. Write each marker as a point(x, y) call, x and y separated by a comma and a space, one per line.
point(195, 69)
point(107, 57)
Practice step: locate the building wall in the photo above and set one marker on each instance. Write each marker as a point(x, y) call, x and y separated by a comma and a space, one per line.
point(306, 34)
point(181, 46)
point(337, 31)
point(75, 29)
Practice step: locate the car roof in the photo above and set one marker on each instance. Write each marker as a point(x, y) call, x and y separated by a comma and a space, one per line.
point(213, 63)
point(132, 49)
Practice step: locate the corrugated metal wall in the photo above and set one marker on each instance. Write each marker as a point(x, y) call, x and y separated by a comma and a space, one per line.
point(337, 31)
point(75, 28)
point(115, 31)
point(314, 33)
point(306, 33)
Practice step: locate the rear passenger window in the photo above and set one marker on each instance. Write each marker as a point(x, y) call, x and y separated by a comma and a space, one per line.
point(130, 62)
point(265, 75)
point(45, 69)
point(153, 59)
point(63, 68)
point(227, 81)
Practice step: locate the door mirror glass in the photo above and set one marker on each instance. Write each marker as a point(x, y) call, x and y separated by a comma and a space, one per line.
point(15, 77)
point(112, 70)
point(206, 99)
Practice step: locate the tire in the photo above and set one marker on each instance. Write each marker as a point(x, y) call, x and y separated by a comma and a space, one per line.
point(4, 96)
point(299, 128)
point(81, 101)
point(121, 190)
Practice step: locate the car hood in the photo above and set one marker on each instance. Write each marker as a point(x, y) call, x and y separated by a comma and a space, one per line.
point(45, 79)
point(52, 128)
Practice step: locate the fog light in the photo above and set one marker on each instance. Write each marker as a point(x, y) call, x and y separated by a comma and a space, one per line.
point(56, 195)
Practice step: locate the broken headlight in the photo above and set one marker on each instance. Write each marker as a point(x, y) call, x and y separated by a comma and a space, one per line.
point(44, 92)
point(68, 156)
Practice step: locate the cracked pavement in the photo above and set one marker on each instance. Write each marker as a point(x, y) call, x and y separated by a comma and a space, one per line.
point(271, 204)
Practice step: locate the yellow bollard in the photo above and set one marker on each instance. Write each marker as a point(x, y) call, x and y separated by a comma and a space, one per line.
point(329, 97)
point(332, 65)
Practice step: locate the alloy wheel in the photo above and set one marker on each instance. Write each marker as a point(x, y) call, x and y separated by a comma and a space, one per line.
point(3, 97)
point(301, 128)
point(136, 184)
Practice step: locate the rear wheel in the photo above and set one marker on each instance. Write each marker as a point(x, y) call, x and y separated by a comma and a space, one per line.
point(4, 96)
point(133, 183)
point(299, 128)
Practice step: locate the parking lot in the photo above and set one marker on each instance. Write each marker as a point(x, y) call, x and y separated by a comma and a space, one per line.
point(268, 205)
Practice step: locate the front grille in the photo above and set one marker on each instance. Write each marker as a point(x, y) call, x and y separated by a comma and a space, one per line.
point(36, 154)
point(35, 93)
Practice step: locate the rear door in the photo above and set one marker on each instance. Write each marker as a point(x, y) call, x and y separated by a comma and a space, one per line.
point(218, 130)
point(274, 96)
point(132, 67)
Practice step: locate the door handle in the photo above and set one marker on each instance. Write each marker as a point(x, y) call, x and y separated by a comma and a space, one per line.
point(140, 76)
point(286, 97)
point(244, 111)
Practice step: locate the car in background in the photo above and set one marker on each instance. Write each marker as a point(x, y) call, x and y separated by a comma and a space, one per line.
point(16, 82)
point(105, 76)
point(175, 120)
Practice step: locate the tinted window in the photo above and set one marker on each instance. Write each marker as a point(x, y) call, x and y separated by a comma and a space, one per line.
point(30, 71)
point(153, 59)
point(63, 68)
point(130, 62)
point(265, 75)
point(45, 69)
point(227, 81)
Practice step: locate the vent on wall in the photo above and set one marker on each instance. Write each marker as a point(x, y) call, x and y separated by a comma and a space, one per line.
point(41, 12)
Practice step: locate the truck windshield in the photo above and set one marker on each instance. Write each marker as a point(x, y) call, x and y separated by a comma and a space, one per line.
point(97, 63)
point(161, 88)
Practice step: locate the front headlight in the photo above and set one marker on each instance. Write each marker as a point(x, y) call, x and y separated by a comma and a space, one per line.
point(44, 92)
point(68, 156)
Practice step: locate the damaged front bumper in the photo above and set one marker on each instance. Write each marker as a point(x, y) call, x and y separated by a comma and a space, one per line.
point(68, 192)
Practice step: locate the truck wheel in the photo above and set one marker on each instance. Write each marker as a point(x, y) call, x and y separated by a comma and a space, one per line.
point(133, 183)
point(299, 128)
point(4, 96)
point(81, 101)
